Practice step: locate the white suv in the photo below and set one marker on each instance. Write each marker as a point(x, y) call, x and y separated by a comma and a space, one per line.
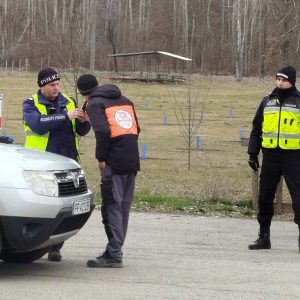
point(44, 200)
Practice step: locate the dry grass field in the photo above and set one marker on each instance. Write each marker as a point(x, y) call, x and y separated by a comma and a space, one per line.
point(219, 170)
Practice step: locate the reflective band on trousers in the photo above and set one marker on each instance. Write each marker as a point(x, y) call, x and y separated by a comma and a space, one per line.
point(281, 127)
point(40, 141)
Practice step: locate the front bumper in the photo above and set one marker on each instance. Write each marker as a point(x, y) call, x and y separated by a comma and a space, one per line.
point(28, 233)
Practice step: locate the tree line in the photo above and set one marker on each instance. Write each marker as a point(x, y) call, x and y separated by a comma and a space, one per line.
point(241, 37)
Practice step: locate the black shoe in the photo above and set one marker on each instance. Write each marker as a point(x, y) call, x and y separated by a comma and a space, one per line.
point(104, 261)
point(54, 255)
point(263, 241)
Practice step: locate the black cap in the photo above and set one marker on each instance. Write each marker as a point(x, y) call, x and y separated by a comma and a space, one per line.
point(86, 83)
point(46, 76)
point(289, 73)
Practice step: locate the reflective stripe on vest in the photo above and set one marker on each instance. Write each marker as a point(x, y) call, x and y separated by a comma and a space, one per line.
point(281, 127)
point(121, 120)
point(40, 141)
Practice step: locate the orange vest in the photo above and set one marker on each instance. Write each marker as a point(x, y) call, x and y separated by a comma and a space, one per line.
point(121, 120)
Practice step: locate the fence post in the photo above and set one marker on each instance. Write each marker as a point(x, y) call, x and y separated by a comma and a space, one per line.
point(146, 105)
point(198, 142)
point(241, 134)
point(165, 119)
point(144, 151)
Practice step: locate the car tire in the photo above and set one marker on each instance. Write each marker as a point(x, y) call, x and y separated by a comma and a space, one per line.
point(23, 257)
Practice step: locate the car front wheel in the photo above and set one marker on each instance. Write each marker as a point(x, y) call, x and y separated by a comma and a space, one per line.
point(23, 257)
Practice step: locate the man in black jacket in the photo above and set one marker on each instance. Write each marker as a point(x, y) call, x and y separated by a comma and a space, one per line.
point(276, 129)
point(116, 128)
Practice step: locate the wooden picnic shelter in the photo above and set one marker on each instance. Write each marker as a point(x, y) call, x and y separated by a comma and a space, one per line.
point(149, 66)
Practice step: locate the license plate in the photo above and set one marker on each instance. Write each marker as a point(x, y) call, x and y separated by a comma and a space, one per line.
point(81, 207)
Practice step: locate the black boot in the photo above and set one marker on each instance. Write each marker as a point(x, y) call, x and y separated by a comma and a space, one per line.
point(54, 252)
point(263, 241)
point(54, 255)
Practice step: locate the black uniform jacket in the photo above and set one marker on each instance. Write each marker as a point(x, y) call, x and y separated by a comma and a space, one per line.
point(61, 136)
point(119, 152)
point(256, 133)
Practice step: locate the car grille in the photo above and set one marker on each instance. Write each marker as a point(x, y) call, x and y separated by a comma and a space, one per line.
point(71, 183)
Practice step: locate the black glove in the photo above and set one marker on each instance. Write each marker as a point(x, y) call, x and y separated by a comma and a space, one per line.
point(253, 162)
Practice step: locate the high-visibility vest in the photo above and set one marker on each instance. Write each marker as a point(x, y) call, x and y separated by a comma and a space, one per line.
point(281, 125)
point(40, 141)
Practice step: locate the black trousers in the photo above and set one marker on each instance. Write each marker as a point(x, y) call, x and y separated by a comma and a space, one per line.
point(56, 247)
point(276, 163)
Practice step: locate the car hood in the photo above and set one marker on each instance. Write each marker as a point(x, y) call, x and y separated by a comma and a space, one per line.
point(14, 159)
point(14, 156)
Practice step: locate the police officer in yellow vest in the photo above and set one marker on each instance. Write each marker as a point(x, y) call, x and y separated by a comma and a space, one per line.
point(276, 129)
point(52, 122)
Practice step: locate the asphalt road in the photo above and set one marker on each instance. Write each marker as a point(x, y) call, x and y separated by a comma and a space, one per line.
point(166, 257)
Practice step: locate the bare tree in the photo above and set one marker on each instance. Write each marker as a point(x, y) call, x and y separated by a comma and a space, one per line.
point(93, 14)
point(242, 37)
point(189, 114)
point(239, 38)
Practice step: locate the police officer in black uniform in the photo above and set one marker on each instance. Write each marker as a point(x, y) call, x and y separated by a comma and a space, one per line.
point(52, 123)
point(276, 129)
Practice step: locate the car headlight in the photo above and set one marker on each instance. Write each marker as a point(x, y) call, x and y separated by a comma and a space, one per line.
point(42, 182)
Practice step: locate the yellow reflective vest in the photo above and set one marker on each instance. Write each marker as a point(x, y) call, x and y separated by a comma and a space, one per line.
point(281, 125)
point(40, 141)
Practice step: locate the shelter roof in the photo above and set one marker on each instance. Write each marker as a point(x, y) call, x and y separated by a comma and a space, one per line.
point(146, 53)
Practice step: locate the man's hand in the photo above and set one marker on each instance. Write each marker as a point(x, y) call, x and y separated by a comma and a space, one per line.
point(253, 162)
point(83, 118)
point(76, 113)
